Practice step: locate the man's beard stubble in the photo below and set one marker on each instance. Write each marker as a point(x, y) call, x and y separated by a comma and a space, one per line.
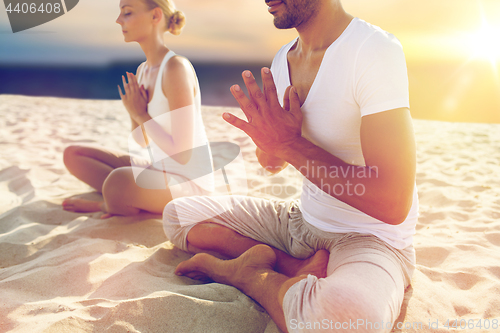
point(297, 11)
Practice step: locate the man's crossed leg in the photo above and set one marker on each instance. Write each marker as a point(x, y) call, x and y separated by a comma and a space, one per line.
point(284, 264)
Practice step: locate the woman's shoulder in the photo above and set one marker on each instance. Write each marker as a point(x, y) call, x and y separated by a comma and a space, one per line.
point(178, 65)
point(140, 68)
point(178, 69)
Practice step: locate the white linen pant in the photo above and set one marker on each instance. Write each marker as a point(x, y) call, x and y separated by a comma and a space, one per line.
point(366, 278)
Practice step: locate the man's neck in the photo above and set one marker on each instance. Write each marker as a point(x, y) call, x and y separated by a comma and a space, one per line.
point(321, 30)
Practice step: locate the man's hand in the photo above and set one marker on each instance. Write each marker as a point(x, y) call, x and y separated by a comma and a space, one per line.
point(269, 125)
point(135, 98)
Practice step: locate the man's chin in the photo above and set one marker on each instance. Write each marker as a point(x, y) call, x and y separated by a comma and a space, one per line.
point(282, 25)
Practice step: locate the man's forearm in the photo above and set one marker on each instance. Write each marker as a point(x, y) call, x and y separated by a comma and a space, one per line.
point(271, 163)
point(365, 188)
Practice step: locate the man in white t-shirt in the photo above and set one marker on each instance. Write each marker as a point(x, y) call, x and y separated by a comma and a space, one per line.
point(341, 257)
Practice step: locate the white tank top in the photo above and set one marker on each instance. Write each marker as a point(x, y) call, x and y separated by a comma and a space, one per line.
point(199, 168)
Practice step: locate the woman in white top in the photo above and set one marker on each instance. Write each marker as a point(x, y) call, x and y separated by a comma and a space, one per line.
point(163, 102)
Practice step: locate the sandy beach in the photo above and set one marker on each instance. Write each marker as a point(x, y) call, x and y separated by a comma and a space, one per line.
point(69, 272)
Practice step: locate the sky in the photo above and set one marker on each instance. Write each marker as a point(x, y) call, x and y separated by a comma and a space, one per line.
point(242, 31)
point(452, 47)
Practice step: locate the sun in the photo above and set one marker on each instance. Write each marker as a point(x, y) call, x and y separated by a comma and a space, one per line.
point(484, 43)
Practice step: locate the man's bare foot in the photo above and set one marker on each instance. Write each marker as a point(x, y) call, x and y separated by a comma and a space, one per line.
point(315, 265)
point(82, 205)
point(249, 268)
point(235, 272)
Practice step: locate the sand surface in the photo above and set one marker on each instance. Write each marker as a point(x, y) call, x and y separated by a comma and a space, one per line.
point(68, 272)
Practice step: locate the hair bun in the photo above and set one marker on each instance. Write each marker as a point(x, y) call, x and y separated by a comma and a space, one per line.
point(177, 22)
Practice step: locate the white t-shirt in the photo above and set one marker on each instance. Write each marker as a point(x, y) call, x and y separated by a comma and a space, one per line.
point(363, 72)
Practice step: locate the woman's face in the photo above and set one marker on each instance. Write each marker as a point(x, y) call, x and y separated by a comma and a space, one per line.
point(135, 20)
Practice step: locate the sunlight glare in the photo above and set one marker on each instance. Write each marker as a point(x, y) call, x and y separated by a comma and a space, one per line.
point(485, 44)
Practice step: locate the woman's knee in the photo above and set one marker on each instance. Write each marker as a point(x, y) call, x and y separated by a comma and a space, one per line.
point(69, 155)
point(118, 192)
point(119, 183)
point(72, 155)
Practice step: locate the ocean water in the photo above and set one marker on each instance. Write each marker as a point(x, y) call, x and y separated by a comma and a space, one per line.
point(101, 82)
point(465, 92)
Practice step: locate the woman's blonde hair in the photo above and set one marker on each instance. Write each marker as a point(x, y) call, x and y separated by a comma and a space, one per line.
point(175, 18)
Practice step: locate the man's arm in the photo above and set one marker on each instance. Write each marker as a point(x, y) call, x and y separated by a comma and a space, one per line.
point(271, 163)
point(384, 186)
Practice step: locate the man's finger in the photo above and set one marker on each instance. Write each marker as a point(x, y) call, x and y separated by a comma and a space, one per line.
point(253, 89)
point(238, 123)
point(286, 99)
point(295, 103)
point(269, 88)
point(247, 106)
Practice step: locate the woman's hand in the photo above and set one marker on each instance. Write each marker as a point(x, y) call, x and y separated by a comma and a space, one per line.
point(135, 98)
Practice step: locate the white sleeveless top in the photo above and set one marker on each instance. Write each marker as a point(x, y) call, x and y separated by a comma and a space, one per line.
point(199, 169)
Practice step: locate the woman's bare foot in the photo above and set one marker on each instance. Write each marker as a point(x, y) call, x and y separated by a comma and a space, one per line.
point(82, 205)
